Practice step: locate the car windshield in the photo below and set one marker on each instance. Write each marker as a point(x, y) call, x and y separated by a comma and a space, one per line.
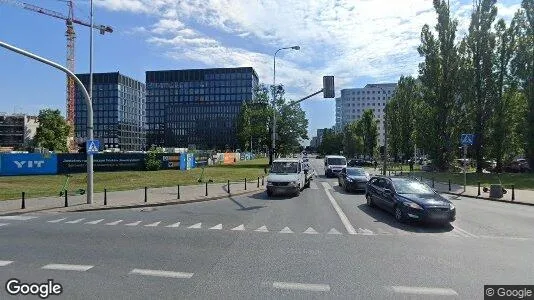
point(336, 161)
point(284, 167)
point(406, 186)
point(356, 172)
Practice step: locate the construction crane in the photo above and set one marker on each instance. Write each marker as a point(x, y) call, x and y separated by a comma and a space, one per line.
point(71, 36)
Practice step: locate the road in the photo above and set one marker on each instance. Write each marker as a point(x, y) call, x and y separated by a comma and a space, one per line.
point(323, 244)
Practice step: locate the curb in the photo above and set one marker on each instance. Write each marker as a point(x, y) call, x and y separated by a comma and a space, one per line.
point(155, 204)
point(488, 199)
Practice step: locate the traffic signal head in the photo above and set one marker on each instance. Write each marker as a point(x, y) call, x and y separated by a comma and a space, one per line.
point(328, 87)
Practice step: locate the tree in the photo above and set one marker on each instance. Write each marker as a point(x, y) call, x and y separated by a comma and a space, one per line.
point(369, 132)
point(291, 127)
point(332, 142)
point(152, 162)
point(352, 140)
point(522, 67)
point(53, 131)
point(253, 120)
point(244, 127)
point(439, 80)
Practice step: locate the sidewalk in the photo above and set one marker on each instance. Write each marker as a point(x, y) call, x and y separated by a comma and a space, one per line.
point(521, 196)
point(132, 198)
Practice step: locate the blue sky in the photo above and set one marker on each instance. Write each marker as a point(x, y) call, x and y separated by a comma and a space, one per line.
point(357, 41)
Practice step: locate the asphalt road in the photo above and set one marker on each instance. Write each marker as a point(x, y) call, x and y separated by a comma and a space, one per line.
point(323, 244)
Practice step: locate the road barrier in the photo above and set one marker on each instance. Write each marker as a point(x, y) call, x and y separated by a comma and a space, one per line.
point(258, 182)
point(228, 186)
point(146, 196)
point(513, 192)
point(23, 204)
point(206, 189)
point(66, 198)
point(178, 193)
point(245, 184)
point(105, 196)
point(478, 193)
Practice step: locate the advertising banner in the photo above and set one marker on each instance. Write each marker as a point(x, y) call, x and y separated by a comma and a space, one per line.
point(170, 161)
point(229, 158)
point(28, 164)
point(77, 162)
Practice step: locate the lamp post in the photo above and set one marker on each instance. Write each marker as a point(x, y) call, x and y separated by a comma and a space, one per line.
point(384, 155)
point(273, 142)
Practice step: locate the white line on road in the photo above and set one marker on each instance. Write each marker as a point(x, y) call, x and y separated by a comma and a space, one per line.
point(75, 221)
point(424, 291)
point(4, 263)
point(286, 230)
point(340, 213)
point(382, 231)
point(365, 231)
point(240, 227)
point(67, 267)
point(3, 224)
point(177, 224)
point(311, 287)
point(196, 226)
point(310, 231)
point(217, 227)
point(57, 220)
point(153, 224)
point(333, 231)
point(114, 223)
point(262, 229)
point(465, 232)
point(17, 218)
point(313, 185)
point(161, 273)
point(133, 223)
point(94, 222)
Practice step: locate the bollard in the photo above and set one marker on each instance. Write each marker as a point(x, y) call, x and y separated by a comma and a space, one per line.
point(258, 183)
point(206, 189)
point(178, 193)
point(23, 205)
point(66, 198)
point(395, 172)
point(245, 184)
point(449, 185)
point(478, 188)
point(421, 178)
point(105, 196)
point(513, 192)
point(262, 180)
point(146, 196)
point(433, 182)
point(228, 186)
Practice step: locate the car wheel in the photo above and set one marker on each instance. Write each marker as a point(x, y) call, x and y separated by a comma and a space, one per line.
point(269, 193)
point(399, 214)
point(297, 193)
point(369, 200)
point(307, 185)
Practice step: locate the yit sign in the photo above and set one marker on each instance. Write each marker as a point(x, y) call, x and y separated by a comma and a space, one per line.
point(29, 164)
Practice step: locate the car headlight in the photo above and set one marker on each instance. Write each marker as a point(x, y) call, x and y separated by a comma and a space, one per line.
point(412, 205)
point(294, 183)
point(451, 206)
point(269, 183)
point(349, 179)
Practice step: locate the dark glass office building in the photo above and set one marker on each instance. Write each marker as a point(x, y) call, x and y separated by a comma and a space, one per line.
point(197, 107)
point(118, 111)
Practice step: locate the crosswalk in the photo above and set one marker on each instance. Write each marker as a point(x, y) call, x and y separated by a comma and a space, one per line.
point(211, 226)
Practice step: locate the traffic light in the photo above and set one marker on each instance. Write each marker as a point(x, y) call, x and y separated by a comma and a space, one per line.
point(328, 87)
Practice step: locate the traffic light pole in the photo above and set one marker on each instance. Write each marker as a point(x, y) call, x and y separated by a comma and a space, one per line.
point(307, 97)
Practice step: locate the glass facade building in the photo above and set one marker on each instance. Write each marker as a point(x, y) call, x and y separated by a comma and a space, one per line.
point(118, 111)
point(197, 107)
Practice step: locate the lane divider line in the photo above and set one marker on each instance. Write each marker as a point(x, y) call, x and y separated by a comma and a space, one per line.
point(114, 223)
point(94, 222)
point(17, 218)
point(161, 273)
point(340, 213)
point(67, 267)
point(424, 291)
point(311, 287)
point(3, 224)
point(133, 224)
point(57, 220)
point(75, 221)
point(4, 263)
point(465, 232)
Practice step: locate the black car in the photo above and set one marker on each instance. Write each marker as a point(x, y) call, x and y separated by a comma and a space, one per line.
point(353, 179)
point(409, 199)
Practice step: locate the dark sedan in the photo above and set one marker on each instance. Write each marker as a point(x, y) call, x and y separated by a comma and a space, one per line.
point(353, 179)
point(409, 199)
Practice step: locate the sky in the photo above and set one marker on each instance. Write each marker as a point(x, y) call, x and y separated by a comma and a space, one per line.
point(357, 41)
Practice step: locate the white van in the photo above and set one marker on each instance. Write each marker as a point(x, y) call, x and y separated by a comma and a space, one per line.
point(333, 164)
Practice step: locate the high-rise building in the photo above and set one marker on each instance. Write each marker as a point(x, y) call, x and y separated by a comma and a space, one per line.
point(16, 131)
point(118, 111)
point(198, 107)
point(353, 102)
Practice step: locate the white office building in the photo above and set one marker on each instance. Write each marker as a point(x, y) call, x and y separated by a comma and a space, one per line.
point(353, 102)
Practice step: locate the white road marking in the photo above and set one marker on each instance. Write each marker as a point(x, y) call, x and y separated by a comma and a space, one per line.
point(75, 221)
point(240, 227)
point(114, 223)
point(57, 220)
point(133, 224)
point(67, 267)
point(4, 263)
point(262, 229)
point(286, 230)
point(313, 185)
point(365, 231)
point(310, 231)
point(333, 231)
point(153, 224)
point(17, 218)
point(217, 227)
point(177, 224)
point(382, 231)
point(95, 222)
point(424, 291)
point(3, 224)
point(465, 232)
point(196, 226)
point(160, 273)
point(311, 287)
point(340, 213)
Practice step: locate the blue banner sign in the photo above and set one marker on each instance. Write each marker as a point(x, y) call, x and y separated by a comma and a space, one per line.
point(28, 164)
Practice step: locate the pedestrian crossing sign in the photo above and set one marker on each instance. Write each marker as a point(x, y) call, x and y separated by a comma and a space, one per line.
point(467, 139)
point(92, 146)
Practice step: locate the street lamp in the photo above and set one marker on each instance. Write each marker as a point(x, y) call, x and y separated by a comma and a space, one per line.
point(273, 143)
point(384, 155)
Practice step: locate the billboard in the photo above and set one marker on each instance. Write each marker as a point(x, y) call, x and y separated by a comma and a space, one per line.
point(77, 162)
point(169, 160)
point(229, 158)
point(28, 164)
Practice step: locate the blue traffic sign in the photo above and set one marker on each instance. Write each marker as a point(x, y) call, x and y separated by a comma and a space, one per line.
point(92, 146)
point(467, 139)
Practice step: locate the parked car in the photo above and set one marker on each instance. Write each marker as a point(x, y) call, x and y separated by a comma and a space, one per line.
point(288, 175)
point(517, 166)
point(409, 199)
point(353, 179)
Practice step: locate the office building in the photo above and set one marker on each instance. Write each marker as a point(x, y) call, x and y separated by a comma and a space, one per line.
point(17, 131)
point(118, 111)
point(353, 102)
point(197, 108)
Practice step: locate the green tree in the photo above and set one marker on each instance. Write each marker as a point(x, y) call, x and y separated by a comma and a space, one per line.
point(439, 80)
point(53, 131)
point(244, 126)
point(369, 132)
point(522, 67)
point(332, 142)
point(352, 140)
point(152, 162)
point(254, 120)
